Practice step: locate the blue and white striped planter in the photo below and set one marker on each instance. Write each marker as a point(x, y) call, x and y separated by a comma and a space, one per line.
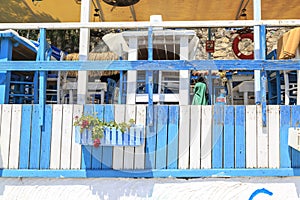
point(112, 137)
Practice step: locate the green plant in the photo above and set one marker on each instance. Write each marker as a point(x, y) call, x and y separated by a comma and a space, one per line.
point(97, 126)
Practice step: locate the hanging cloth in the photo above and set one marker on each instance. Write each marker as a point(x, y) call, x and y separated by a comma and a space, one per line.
point(287, 44)
point(199, 96)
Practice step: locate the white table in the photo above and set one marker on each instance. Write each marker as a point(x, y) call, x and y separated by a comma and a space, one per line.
point(93, 88)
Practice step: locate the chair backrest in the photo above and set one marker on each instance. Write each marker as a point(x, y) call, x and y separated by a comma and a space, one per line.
point(110, 93)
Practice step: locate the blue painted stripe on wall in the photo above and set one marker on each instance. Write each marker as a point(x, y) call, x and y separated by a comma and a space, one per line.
point(285, 149)
point(240, 137)
point(190, 173)
point(229, 137)
point(161, 147)
point(97, 152)
point(25, 137)
point(295, 123)
point(151, 141)
point(173, 127)
point(35, 143)
point(217, 137)
point(86, 151)
point(108, 151)
point(46, 139)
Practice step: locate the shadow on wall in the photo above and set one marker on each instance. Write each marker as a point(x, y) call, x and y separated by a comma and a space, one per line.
point(20, 11)
point(124, 188)
point(167, 189)
point(75, 189)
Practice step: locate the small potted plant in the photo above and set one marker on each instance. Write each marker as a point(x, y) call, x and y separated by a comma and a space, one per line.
point(90, 130)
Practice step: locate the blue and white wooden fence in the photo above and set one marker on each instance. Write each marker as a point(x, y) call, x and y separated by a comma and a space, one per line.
point(184, 141)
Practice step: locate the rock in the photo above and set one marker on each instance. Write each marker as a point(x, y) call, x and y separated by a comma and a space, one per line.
point(223, 42)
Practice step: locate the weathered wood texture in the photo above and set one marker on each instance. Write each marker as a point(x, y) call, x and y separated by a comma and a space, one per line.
point(182, 137)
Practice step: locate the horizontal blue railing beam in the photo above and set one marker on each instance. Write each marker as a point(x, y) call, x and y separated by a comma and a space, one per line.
point(163, 173)
point(151, 65)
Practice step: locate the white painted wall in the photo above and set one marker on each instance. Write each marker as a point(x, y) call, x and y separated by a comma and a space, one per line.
point(101, 188)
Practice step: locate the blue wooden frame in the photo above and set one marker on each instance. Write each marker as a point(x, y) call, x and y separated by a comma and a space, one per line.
point(150, 65)
point(161, 148)
point(101, 159)
point(161, 173)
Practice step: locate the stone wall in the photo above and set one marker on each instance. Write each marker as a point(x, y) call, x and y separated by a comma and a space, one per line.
point(223, 38)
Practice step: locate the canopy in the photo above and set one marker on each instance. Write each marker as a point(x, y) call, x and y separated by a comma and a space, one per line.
point(171, 10)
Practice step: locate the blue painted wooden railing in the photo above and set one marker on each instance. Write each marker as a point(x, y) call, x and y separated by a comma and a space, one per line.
point(185, 141)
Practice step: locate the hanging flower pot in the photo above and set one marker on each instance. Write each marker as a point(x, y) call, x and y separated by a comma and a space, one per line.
point(90, 130)
point(83, 136)
point(133, 136)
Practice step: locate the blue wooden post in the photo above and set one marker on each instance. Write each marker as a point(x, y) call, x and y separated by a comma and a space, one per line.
point(149, 78)
point(218, 137)
point(263, 79)
point(42, 76)
point(36, 85)
point(240, 136)
point(25, 136)
point(5, 55)
point(285, 149)
point(121, 81)
point(229, 142)
point(121, 86)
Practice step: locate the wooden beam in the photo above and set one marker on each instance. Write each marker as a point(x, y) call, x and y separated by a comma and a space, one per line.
point(150, 65)
point(166, 24)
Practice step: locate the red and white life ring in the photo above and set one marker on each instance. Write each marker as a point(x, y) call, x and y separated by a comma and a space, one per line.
point(235, 45)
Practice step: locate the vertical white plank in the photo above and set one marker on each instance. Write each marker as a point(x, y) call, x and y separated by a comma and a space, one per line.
point(56, 137)
point(139, 160)
point(84, 44)
point(132, 74)
point(262, 140)
point(66, 137)
point(184, 88)
point(5, 135)
point(206, 136)
point(129, 151)
point(76, 148)
point(15, 135)
point(274, 127)
point(195, 154)
point(184, 137)
point(118, 151)
point(251, 147)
